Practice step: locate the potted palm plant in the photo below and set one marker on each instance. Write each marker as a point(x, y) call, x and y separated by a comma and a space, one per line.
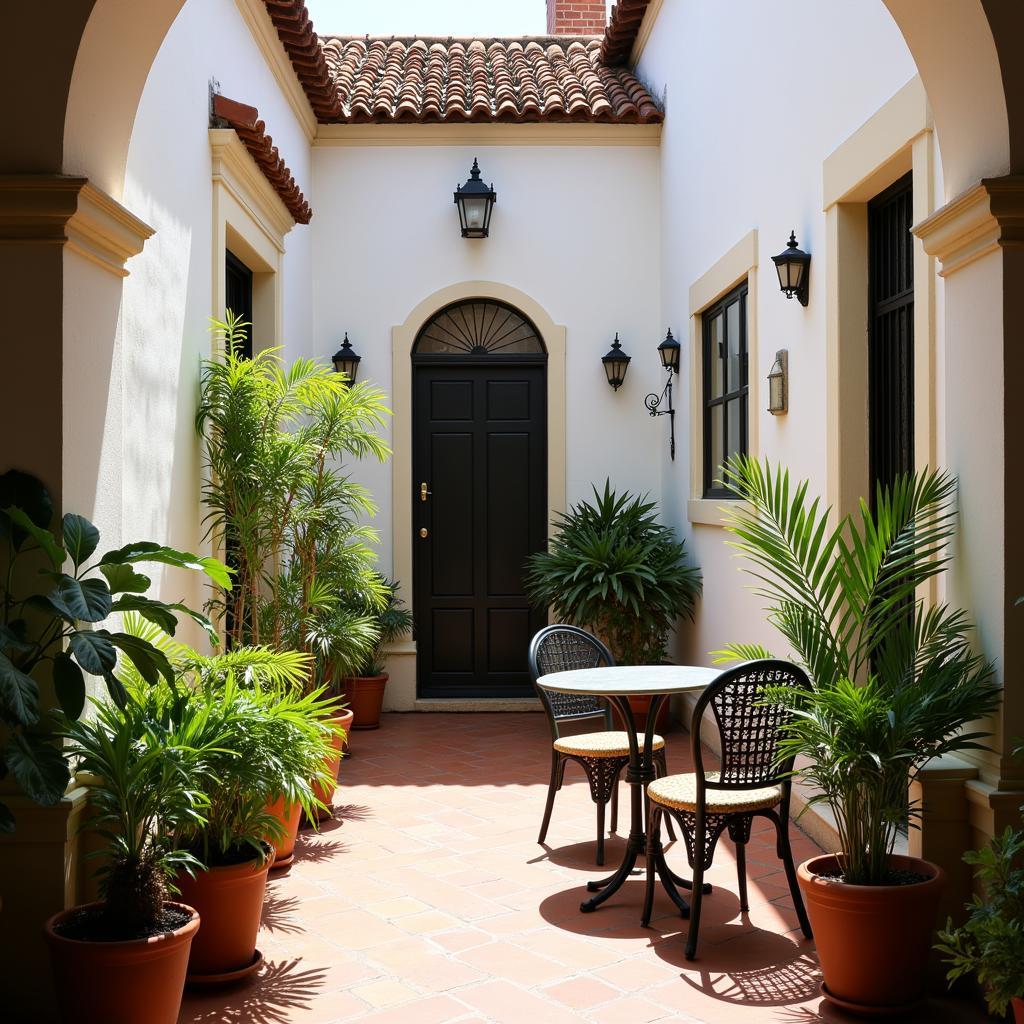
point(364, 678)
point(124, 959)
point(614, 569)
point(895, 684)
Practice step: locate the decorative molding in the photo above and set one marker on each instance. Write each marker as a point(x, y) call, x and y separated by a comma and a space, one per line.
point(64, 210)
point(986, 217)
point(236, 170)
point(725, 274)
point(644, 32)
point(489, 134)
point(254, 14)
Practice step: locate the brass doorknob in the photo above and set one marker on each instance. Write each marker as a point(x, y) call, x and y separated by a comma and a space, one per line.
point(424, 532)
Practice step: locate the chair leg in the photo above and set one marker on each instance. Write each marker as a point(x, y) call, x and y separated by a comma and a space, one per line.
point(786, 854)
point(552, 789)
point(661, 770)
point(697, 895)
point(653, 839)
point(741, 874)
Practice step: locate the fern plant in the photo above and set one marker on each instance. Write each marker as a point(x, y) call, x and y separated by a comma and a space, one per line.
point(612, 567)
point(386, 624)
point(895, 682)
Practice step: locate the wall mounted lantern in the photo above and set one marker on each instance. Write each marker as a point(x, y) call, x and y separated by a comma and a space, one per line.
point(475, 202)
point(346, 360)
point(778, 384)
point(668, 350)
point(616, 363)
point(794, 268)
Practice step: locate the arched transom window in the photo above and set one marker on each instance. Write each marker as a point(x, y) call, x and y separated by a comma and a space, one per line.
point(478, 327)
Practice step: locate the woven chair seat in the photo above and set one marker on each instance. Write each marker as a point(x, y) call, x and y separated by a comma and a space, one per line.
point(603, 744)
point(680, 793)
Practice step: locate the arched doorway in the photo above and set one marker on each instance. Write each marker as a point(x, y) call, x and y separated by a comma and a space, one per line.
point(480, 446)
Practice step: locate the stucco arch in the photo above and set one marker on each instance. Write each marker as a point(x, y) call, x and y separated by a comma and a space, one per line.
point(403, 336)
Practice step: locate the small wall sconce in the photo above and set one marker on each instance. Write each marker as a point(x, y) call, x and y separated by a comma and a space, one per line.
point(616, 363)
point(794, 269)
point(668, 350)
point(475, 202)
point(778, 384)
point(346, 360)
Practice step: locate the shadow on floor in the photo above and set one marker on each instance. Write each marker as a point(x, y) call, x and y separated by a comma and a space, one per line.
point(280, 914)
point(274, 996)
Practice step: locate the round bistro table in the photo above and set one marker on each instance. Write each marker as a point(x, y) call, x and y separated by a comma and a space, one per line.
point(618, 684)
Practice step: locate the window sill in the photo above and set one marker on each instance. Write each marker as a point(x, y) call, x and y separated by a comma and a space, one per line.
point(708, 511)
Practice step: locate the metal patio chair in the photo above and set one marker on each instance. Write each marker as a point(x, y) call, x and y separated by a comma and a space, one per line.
point(601, 755)
point(750, 783)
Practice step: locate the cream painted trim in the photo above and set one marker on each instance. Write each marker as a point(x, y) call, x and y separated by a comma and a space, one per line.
point(896, 139)
point(877, 153)
point(739, 263)
point(254, 14)
point(470, 134)
point(70, 211)
point(644, 32)
point(985, 217)
point(402, 338)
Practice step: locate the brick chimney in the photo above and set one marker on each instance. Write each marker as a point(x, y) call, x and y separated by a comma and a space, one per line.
point(576, 17)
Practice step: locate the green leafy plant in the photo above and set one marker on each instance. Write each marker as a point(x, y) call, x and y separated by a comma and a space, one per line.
point(147, 774)
point(990, 944)
point(385, 624)
point(614, 569)
point(291, 519)
point(49, 622)
point(895, 682)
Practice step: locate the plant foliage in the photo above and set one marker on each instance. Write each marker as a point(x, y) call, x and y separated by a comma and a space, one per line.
point(385, 623)
point(612, 567)
point(50, 621)
point(895, 682)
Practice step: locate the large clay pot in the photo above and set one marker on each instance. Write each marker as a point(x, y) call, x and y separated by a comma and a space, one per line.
point(289, 815)
point(325, 793)
point(230, 902)
point(640, 706)
point(1018, 1010)
point(120, 982)
point(365, 696)
point(873, 941)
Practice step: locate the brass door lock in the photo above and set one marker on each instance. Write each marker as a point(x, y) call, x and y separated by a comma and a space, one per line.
point(424, 532)
point(424, 493)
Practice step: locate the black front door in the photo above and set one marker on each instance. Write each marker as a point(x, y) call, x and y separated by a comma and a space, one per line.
point(479, 510)
point(891, 334)
point(238, 296)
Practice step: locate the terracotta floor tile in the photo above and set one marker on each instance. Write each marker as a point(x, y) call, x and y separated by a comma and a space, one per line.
point(503, 1003)
point(581, 993)
point(385, 993)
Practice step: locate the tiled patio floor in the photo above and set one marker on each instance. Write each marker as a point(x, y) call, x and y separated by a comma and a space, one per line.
point(427, 900)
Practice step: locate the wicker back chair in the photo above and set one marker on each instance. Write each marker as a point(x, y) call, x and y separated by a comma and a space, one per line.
point(602, 755)
point(750, 782)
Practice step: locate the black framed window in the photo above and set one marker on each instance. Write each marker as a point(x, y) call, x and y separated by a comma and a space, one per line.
point(238, 295)
point(724, 327)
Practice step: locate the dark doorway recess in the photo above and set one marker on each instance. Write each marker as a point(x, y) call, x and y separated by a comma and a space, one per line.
point(891, 334)
point(238, 295)
point(479, 498)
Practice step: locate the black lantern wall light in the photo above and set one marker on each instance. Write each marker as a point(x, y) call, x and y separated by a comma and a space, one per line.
point(616, 363)
point(668, 350)
point(346, 360)
point(475, 201)
point(794, 269)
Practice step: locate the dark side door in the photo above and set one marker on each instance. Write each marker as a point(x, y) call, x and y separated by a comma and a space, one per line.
point(479, 510)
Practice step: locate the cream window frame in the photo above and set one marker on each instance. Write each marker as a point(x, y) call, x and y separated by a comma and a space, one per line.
point(737, 265)
point(897, 139)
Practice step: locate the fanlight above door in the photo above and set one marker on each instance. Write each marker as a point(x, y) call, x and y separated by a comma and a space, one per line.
point(478, 327)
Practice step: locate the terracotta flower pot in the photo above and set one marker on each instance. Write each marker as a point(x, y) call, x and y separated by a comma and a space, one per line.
point(120, 982)
point(640, 706)
point(230, 901)
point(289, 816)
point(1018, 1009)
point(364, 696)
point(325, 793)
point(873, 940)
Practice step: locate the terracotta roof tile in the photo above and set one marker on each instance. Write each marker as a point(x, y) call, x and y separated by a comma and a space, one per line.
point(621, 33)
point(547, 78)
point(253, 133)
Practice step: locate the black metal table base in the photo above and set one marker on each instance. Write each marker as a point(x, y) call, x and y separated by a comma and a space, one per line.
point(639, 772)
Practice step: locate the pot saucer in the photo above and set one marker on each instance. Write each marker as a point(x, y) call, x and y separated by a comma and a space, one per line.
point(283, 864)
point(226, 977)
point(868, 1009)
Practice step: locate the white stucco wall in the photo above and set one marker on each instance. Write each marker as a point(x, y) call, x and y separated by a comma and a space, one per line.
point(132, 460)
point(575, 227)
point(754, 103)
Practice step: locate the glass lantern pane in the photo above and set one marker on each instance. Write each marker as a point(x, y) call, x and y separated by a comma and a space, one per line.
point(475, 209)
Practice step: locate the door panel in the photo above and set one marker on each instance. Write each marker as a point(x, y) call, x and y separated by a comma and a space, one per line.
point(480, 446)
